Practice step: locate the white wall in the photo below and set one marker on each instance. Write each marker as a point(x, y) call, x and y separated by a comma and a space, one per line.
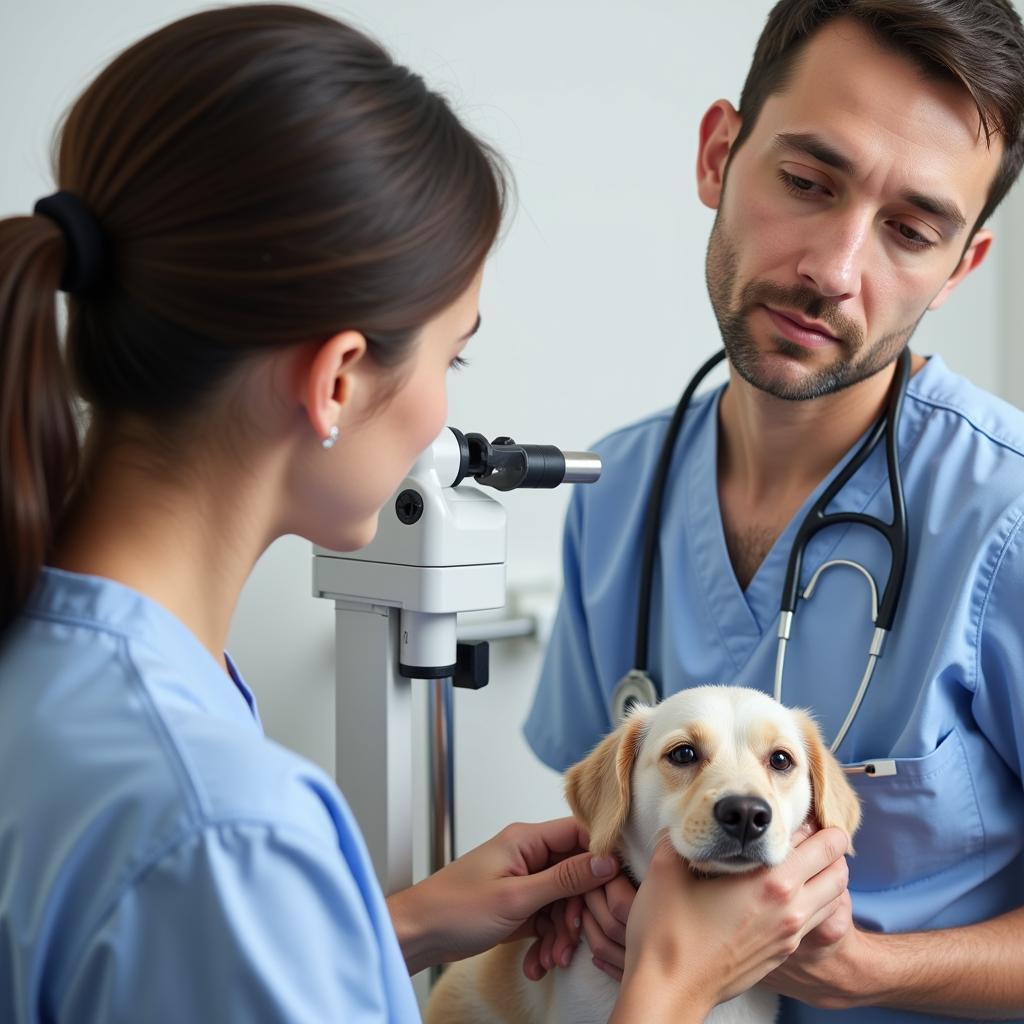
point(594, 307)
point(1010, 306)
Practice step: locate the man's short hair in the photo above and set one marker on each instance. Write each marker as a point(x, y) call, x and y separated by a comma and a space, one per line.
point(978, 44)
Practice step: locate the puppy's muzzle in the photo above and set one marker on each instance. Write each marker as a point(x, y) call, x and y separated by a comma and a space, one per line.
point(745, 818)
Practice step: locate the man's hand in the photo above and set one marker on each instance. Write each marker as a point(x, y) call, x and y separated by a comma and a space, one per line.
point(601, 915)
point(604, 924)
point(702, 941)
point(607, 912)
point(494, 893)
point(559, 929)
point(824, 971)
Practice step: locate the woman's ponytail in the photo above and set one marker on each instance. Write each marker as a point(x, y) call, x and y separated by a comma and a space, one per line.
point(285, 180)
point(38, 440)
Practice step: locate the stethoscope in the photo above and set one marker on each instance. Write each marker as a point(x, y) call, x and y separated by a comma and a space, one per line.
point(637, 686)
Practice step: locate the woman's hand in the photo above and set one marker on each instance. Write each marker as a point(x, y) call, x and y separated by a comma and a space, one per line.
point(692, 943)
point(494, 893)
point(607, 912)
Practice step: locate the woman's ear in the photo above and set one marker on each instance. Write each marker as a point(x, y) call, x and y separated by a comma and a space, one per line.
point(598, 787)
point(327, 379)
point(718, 131)
point(833, 801)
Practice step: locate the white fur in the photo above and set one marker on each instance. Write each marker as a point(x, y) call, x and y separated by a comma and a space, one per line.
point(738, 730)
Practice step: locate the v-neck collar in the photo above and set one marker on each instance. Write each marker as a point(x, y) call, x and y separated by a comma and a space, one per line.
point(742, 617)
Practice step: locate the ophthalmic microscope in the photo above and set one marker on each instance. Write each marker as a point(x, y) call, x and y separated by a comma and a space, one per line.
point(439, 550)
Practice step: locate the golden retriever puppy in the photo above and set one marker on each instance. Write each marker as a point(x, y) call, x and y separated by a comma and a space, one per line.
point(729, 775)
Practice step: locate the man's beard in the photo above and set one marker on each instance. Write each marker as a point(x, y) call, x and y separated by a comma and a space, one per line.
point(721, 270)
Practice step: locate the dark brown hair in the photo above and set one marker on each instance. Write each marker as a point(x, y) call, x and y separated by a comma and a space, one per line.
point(263, 176)
point(978, 44)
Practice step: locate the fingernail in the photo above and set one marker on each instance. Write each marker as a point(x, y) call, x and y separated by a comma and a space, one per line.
point(602, 866)
point(545, 959)
point(565, 957)
point(576, 922)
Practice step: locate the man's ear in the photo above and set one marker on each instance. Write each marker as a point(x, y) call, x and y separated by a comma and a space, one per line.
point(326, 379)
point(598, 787)
point(719, 128)
point(833, 801)
point(972, 258)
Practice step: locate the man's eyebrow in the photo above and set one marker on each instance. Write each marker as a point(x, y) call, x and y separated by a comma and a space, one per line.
point(817, 147)
point(820, 150)
point(476, 327)
point(938, 207)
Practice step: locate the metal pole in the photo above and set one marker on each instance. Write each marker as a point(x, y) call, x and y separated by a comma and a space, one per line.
point(441, 811)
point(442, 774)
point(374, 737)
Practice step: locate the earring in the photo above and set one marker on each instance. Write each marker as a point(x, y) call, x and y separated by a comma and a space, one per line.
point(331, 438)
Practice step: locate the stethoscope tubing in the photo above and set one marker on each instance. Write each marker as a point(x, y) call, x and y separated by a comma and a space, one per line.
point(895, 534)
point(652, 518)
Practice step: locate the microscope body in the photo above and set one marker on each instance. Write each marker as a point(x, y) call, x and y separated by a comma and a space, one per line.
point(439, 550)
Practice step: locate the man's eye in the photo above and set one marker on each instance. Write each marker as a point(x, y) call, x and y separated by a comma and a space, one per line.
point(798, 186)
point(780, 761)
point(458, 363)
point(914, 239)
point(684, 754)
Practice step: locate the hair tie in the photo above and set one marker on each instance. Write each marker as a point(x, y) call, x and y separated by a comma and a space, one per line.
point(86, 245)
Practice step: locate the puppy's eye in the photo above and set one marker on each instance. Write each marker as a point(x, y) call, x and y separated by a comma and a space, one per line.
point(780, 761)
point(684, 754)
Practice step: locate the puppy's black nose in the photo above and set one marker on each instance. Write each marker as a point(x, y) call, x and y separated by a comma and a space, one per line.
point(744, 817)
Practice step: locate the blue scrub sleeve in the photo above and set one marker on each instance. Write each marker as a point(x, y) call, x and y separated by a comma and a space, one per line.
point(569, 714)
point(998, 703)
point(239, 923)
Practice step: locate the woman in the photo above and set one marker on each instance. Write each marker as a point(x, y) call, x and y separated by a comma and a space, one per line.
point(273, 239)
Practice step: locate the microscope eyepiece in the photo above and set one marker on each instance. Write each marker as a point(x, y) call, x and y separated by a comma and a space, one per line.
point(506, 466)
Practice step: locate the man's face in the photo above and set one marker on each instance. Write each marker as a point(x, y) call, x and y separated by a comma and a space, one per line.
point(846, 214)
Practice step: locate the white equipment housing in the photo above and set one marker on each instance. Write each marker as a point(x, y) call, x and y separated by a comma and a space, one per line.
point(439, 550)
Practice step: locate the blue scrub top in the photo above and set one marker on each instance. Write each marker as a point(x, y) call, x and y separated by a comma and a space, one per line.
point(941, 841)
point(160, 859)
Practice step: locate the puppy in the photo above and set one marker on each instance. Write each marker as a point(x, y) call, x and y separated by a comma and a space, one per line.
point(729, 775)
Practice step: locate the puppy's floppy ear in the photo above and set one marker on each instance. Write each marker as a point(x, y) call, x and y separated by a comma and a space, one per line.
point(598, 787)
point(833, 800)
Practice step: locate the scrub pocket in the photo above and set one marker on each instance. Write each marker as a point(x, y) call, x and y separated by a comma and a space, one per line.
point(917, 823)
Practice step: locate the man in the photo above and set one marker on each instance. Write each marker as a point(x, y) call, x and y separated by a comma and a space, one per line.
point(874, 139)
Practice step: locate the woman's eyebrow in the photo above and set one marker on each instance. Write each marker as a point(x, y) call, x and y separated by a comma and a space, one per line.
point(476, 327)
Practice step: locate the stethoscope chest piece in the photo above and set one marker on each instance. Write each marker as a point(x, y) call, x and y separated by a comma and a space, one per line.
point(634, 688)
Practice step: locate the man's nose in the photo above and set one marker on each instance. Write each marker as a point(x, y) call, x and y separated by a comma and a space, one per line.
point(743, 817)
point(832, 257)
